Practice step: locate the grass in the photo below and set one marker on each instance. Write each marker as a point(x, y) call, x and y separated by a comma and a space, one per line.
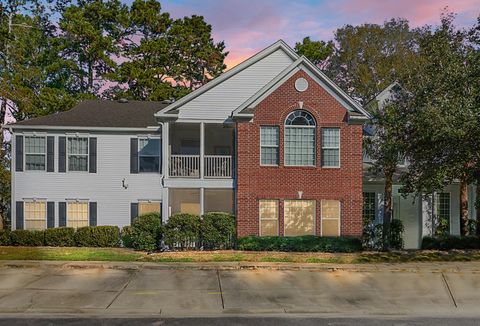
point(121, 254)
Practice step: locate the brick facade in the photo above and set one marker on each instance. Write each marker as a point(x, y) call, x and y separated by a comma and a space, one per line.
point(284, 182)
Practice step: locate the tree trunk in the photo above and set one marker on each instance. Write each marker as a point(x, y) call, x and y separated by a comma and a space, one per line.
point(463, 207)
point(477, 206)
point(387, 210)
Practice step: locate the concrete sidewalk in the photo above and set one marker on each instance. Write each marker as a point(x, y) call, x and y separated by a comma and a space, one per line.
point(212, 289)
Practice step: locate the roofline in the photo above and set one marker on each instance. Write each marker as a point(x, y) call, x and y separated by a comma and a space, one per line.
point(291, 69)
point(60, 128)
point(280, 44)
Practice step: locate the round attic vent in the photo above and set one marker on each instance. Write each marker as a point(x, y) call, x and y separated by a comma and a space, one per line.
point(301, 84)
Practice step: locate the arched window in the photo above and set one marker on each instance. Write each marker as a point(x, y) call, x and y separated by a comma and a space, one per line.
point(300, 139)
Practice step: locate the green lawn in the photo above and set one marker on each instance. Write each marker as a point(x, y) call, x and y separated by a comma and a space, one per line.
point(120, 254)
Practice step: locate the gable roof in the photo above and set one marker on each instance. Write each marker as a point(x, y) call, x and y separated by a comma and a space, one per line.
point(171, 110)
point(302, 63)
point(100, 113)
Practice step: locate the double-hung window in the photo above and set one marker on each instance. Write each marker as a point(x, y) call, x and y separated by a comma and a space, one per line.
point(269, 145)
point(300, 139)
point(331, 147)
point(148, 155)
point(35, 153)
point(77, 149)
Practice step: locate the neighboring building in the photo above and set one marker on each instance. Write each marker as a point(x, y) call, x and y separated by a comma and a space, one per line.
point(272, 140)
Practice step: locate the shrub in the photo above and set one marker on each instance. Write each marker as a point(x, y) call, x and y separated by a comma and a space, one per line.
point(146, 232)
point(30, 238)
point(60, 237)
point(126, 236)
point(451, 242)
point(306, 243)
point(374, 240)
point(396, 234)
point(98, 236)
point(217, 231)
point(182, 231)
point(4, 237)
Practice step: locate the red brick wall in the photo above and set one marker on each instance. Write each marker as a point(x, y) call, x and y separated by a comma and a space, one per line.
point(283, 182)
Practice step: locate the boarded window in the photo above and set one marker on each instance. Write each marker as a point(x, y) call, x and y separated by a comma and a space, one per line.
point(77, 214)
point(35, 215)
point(219, 200)
point(268, 215)
point(148, 207)
point(184, 201)
point(299, 217)
point(330, 218)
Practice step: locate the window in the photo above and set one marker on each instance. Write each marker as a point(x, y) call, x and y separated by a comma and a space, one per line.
point(330, 218)
point(77, 214)
point(35, 153)
point(268, 215)
point(443, 212)
point(368, 207)
point(146, 207)
point(77, 150)
point(148, 155)
point(300, 139)
point(35, 215)
point(330, 147)
point(269, 145)
point(299, 217)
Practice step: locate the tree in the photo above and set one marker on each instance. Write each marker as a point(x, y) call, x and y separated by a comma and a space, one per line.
point(443, 114)
point(370, 57)
point(315, 51)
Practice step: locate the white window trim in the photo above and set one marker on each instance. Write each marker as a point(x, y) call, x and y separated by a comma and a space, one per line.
point(328, 218)
point(68, 153)
point(270, 146)
point(34, 201)
point(77, 201)
point(25, 153)
point(314, 147)
point(148, 137)
point(268, 219)
point(329, 147)
point(314, 215)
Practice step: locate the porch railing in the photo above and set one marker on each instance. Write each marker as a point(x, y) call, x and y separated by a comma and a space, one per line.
point(215, 166)
point(185, 166)
point(218, 166)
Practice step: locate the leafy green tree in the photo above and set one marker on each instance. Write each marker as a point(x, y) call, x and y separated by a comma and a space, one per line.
point(315, 51)
point(369, 57)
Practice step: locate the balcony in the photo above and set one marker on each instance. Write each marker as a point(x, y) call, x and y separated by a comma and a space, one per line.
point(200, 151)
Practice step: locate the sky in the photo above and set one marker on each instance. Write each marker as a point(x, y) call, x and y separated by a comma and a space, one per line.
point(248, 26)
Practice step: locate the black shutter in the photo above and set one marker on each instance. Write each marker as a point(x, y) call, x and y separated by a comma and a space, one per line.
point(133, 212)
point(133, 155)
point(18, 153)
point(19, 215)
point(92, 209)
point(62, 154)
point(50, 214)
point(50, 154)
point(92, 161)
point(62, 214)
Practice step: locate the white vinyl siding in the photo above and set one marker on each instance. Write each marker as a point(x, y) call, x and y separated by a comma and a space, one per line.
point(35, 214)
point(77, 153)
point(148, 155)
point(268, 217)
point(35, 153)
point(330, 218)
point(77, 214)
point(269, 136)
point(299, 217)
point(330, 147)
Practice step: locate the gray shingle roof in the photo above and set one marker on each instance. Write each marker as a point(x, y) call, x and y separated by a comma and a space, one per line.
point(102, 113)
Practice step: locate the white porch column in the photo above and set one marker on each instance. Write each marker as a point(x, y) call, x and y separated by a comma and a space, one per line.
point(202, 149)
point(165, 205)
point(165, 150)
point(202, 201)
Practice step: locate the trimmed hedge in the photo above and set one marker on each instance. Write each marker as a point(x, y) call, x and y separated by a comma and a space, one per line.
point(182, 231)
point(146, 232)
point(4, 237)
point(60, 237)
point(451, 242)
point(126, 236)
point(217, 231)
point(307, 243)
point(31, 238)
point(98, 236)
